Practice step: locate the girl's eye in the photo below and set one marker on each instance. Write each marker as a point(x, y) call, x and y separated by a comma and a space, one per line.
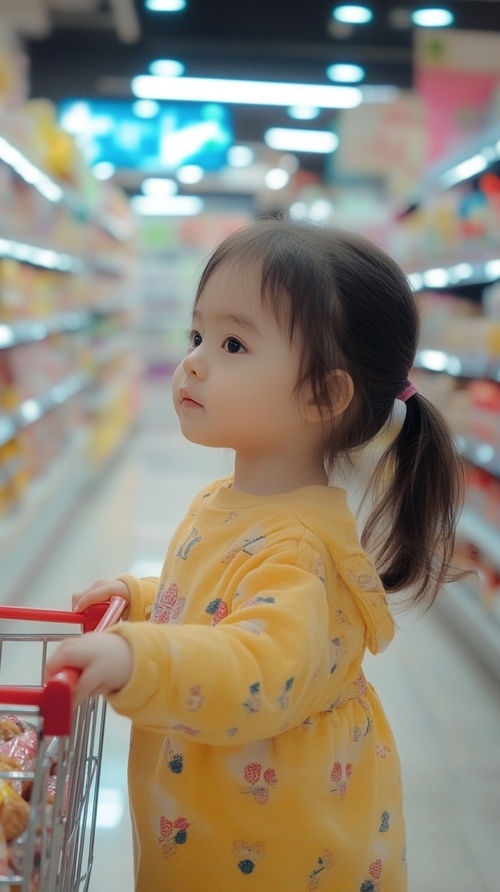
point(195, 339)
point(232, 345)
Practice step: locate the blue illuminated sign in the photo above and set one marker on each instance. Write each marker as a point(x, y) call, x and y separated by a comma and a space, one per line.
point(158, 139)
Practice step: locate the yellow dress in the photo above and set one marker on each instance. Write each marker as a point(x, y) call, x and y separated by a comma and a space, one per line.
point(261, 758)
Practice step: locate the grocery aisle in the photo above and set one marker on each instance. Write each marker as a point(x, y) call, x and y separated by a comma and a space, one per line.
point(444, 708)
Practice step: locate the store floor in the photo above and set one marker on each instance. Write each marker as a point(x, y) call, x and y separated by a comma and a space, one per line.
point(444, 707)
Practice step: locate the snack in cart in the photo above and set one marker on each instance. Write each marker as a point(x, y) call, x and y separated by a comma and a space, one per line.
point(4, 854)
point(18, 749)
point(14, 811)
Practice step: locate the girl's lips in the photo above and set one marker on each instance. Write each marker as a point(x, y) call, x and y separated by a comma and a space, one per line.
point(186, 400)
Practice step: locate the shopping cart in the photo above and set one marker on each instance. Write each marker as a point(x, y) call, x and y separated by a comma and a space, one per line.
point(63, 746)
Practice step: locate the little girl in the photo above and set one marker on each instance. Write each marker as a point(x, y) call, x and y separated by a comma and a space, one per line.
point(261, 757)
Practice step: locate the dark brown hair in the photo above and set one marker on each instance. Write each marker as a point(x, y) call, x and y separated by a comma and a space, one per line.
point(349, 306)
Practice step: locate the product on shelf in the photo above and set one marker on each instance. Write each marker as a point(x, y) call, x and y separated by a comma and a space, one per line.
point(449, 239)
point(69, 377)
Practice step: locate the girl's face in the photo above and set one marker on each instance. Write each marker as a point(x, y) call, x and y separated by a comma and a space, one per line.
point(236, 386)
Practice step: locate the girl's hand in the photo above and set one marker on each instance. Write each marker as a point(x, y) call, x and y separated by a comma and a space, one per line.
point(105, 663)
point(100, 591)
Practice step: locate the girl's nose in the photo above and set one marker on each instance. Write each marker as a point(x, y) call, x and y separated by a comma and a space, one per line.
point(194, 364)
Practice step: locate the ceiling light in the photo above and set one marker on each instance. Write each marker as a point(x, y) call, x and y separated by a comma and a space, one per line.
point(165, 5)
point(344, 73)
point(193, 89)
point(166, 68)
point(190, 173)
point(434, 17)
point(146, 108)
point(104, 170)
point(303, 112)
point(240, 156)
point(353, 14)
point(159, 186)
point(175, 206)
point(276, 178)
point(289, 140)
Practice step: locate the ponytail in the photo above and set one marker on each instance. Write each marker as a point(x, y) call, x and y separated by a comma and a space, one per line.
point(411, 529)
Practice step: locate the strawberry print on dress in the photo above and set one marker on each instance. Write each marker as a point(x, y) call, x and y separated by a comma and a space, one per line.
point(172, 835)
point(259, 783)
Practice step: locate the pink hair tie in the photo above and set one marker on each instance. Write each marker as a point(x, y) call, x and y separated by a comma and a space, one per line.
point(408, 391)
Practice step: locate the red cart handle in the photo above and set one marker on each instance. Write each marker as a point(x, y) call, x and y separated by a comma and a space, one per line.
point(90, 619)
point(55, 698)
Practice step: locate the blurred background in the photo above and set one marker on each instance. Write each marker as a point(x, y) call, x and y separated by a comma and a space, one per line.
point(134, 135)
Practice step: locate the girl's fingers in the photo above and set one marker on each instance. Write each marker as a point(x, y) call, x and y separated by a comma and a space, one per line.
point(105, 663)
point(100, 591)
point(68, 654)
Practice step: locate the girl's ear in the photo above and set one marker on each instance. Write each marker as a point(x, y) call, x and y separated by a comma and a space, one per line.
point(341, 390)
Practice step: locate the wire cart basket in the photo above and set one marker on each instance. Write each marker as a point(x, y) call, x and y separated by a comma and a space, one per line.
point(50, 755)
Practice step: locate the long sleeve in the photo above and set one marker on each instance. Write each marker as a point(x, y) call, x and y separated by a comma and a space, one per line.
point(142, 595)
point(263, 668)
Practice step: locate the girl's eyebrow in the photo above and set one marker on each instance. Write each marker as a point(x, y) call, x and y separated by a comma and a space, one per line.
point(232, 318)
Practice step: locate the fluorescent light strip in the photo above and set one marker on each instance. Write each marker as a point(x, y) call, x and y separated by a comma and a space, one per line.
point(378, 93)
point(290, 140)
point(432, 18)
point(44, 257)
point(174, 206)
point(464, 170)
point(352, 14)
point(29, 172)
point(239, 92)
point(441, 277)
point(7, 337)
point(436, 278)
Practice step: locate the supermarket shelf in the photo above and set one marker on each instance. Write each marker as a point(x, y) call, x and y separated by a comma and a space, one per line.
point(27, 532)
point(481, 630)
point(60, 261)
point(57, 192)
point(38, 255)
point(475, 529)
point(32, 409)
point(482, 455)
point(465, 163)
point(100, 398)
point(468, 366)
point(457, 273)
point(33, 330)
point(49, 308)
